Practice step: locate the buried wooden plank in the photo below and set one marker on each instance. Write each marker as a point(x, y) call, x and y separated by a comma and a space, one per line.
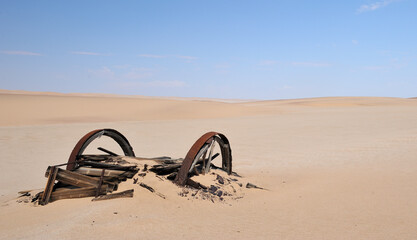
point(165, 169)
point(52, 174)
point(94, 157)
point(152, 190)
point(100, 183)
point(124, 194)
point(108, 173)
point(97, 172)
point(76, 193)
point(79, 180)
point(131, 167)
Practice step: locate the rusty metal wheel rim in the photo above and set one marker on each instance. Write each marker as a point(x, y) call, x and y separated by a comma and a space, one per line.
point(226, 152)
point(91, 136)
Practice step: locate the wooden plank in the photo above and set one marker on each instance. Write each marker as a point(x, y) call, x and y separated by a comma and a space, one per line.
point(207, 166)
point(49, 185)
point(124, 194)
point(152, 190)
point(100, 183)
point(107, 151)
point(66, 188)
point(79, 180)
point(76, 193)
point(97, 172)
point(165, 169)
point(131, 167)
point(94, 157)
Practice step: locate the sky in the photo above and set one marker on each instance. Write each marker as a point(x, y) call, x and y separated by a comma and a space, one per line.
point(217, 49)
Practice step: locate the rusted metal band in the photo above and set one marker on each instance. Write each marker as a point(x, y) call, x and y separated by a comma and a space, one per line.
point(89, 137)
point(226, 151)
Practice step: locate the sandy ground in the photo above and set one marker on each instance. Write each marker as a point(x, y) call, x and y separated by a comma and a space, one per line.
point(336, 168)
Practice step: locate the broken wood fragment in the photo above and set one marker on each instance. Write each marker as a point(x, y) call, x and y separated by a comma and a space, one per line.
point(100, 183)
point(195, 184)
point(107, 151)
point(79, 180)
point(160, 195)
point(109, 166)
point(165, 169)
point(220, 179)
point(172, 176)
point(24, 193)
point(147, 187)
point(95, 157)
point(76, 193)
point(250, 185)
point(152, 190)
point(124, 194)
point(97, 172)
point(52, 174)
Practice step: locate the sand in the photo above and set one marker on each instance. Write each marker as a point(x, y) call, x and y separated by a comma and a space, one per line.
point(335, 168)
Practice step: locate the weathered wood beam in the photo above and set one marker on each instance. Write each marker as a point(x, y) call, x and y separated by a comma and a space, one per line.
point(109, 166)
point(76, 193)
point(52, 174)
point(164, 169)
point(100, 182)
point(108, 173)
point(97, 172)
point(94, 157)
point(152, 190)
point(124, 194)
point(79, 180)
point(107, 151)
point(195, 184)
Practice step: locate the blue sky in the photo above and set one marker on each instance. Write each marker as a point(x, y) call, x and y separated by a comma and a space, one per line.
point(220, 49)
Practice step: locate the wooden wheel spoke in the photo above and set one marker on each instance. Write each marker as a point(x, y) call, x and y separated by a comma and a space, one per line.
point(208, 165)
point(200, 153)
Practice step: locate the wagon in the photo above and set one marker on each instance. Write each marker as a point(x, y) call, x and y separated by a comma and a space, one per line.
point(99, 175)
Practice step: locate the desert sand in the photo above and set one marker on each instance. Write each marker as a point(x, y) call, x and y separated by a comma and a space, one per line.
point(335, 168)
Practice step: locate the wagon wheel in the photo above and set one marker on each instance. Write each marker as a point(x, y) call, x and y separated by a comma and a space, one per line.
point(91, 136)
point(197, 153)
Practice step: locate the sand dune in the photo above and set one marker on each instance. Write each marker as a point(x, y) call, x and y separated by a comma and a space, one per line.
point(336, 168)
point(36, 108)
point(26, 109)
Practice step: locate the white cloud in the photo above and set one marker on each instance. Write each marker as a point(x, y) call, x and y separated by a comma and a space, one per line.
point(152, 56)
point(311, 64)
point(355, 42)
point(88, 53)
point(25, 53)
point(374, 6)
